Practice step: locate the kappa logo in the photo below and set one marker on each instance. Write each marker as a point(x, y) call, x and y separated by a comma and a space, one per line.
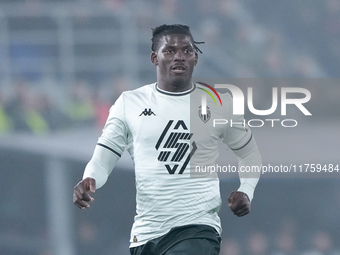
point(147, 112)
point(174, 146)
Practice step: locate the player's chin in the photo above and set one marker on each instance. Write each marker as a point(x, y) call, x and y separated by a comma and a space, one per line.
point(180, 80)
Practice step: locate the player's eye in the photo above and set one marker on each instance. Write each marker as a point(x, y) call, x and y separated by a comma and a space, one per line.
point(188, 51)
point(168, 51)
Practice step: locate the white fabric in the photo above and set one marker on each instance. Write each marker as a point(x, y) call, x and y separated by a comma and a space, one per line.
point(100, 165)
point(160, 130)
point(249, 156)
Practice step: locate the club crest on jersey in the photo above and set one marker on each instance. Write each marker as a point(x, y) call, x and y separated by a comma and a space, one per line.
point(204, 116)
point(174, 147)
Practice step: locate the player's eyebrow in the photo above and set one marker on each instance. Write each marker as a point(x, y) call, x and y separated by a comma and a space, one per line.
point(169, 46)
point(172, 46)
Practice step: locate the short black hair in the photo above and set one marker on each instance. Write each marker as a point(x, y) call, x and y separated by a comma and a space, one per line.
point(160, 31)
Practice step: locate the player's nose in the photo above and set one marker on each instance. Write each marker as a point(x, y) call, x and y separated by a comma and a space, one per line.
point(179, 56)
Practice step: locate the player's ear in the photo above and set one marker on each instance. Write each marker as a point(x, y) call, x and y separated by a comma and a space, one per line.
point(154, 58)
point(196, 58)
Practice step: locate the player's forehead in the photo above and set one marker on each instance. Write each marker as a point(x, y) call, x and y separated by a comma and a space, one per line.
point(176, 40)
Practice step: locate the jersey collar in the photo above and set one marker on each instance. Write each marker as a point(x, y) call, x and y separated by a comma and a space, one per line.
point(182, 93)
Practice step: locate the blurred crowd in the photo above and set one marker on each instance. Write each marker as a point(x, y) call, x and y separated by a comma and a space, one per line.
point(275, 39)
point(285, 242)
point(42, 108)
point(288, 218)
point(245, 39)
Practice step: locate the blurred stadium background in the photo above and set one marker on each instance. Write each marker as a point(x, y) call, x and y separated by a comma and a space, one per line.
point(64, 62)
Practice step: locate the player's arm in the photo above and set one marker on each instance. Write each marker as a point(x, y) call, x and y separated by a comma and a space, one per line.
point(249, 157)
point(108, 150)
point(240, 140)
point(95, 176)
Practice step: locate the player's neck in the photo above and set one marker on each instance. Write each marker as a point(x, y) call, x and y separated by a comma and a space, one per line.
point(175, 87)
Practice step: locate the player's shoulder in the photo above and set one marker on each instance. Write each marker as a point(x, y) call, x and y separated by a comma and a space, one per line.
point(141, 91)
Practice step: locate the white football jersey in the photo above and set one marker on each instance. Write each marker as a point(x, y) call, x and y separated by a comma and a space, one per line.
point(167, 135)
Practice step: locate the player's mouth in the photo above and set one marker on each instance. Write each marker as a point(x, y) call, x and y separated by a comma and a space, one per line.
point(178, 69)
